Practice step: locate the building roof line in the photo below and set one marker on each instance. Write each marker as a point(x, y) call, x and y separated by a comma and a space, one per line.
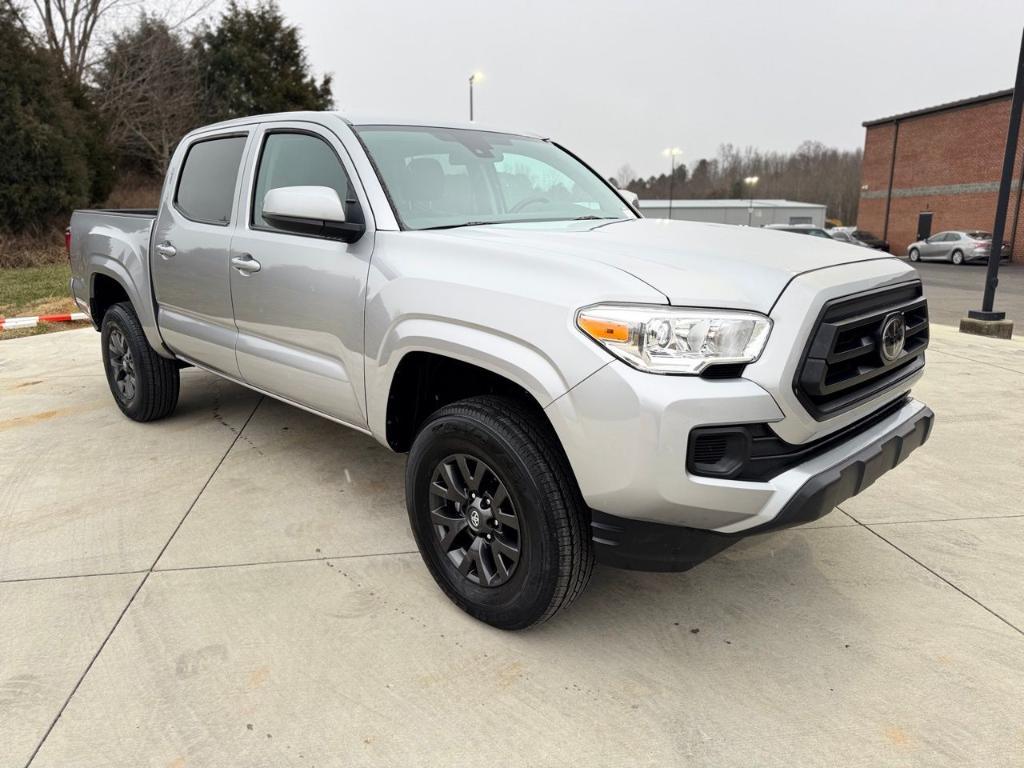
point(742, 202)
point(969, 102)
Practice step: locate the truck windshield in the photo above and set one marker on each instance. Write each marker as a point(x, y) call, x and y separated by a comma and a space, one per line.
point(439, 178)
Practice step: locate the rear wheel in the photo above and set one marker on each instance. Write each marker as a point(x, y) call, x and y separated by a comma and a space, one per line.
point(957, 258)
point(915, 255)
point(496, 512)
point(144, 384)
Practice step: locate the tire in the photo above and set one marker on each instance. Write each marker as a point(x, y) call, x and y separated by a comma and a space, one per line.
point(915, 255)
point(493, 442)
point(957, 258)
point(144, 384)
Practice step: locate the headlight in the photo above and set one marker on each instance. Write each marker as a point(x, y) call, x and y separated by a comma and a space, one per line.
point(675, 339)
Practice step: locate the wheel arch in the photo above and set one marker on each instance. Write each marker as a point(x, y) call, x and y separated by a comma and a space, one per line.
point(425, 363)
point(105, 290)
point(425, 380)
point(109, 283)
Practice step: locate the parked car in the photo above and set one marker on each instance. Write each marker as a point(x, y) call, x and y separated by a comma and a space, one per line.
point(956, 246)
point(865, 238)
point(800, 229)
point(845, 237)
point(570, 381)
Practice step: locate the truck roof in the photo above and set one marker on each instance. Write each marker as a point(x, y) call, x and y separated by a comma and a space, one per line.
point(362, 119)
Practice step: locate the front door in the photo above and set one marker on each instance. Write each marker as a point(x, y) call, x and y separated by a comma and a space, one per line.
point(298, 299)
point(192, 242)
point(924, 225)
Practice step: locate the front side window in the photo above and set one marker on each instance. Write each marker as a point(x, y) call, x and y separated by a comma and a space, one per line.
point(206, 186)
point(296, 160)
point(441, 177)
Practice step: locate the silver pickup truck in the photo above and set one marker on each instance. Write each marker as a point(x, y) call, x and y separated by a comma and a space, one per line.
point(570, 381)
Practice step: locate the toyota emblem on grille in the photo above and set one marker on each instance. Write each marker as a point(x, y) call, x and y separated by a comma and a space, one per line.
point(893, 336)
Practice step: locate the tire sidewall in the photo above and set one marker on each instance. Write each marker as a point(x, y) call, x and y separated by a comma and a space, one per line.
point(527, 595)
point(117, 317)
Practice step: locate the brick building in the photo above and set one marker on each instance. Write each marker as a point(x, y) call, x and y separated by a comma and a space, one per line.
point(939, 168)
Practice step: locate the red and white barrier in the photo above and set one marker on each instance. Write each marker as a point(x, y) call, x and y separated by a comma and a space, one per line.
point(10, 323)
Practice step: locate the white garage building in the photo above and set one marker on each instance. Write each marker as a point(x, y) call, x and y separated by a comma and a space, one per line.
point(756, 213)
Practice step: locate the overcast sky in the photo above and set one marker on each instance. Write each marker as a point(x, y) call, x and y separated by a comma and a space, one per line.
point(617, 82)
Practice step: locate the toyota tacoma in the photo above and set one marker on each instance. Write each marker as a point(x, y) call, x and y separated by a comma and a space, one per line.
point(571, 381)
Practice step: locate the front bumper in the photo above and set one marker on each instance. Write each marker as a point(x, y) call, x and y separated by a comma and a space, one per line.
point(626, 432)
point(641, 545)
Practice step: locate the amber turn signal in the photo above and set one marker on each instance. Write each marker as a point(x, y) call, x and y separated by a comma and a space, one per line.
point(603, 329)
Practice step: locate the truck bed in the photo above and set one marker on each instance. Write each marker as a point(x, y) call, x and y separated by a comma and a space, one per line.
point(112, 245)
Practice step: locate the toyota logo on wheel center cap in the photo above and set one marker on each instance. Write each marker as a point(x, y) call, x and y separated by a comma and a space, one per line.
point(474, 519)
point(893, 336)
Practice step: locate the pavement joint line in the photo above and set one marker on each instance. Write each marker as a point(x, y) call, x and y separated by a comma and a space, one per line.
point(937, 575)
point(977, 362)
point(317, 559)
point(142, 583)
point(69, 576)
point(948, 519)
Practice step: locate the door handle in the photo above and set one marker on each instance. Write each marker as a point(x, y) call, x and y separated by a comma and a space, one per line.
point(245, 264)
point(166, 250)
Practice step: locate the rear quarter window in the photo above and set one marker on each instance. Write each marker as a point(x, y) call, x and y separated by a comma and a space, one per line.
point(206, 186)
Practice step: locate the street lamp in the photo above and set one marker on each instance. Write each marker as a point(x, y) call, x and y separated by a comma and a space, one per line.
point(476, 77)
point(751, 182)
point(672, 153)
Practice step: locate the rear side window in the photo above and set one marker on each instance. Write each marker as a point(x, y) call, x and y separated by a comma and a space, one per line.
point(206, 187)
point(296, 160)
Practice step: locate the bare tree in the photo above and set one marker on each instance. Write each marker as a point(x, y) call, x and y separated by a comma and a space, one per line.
point(70, 28)
point(625, 175)
point(813, 173)
point(147, 89)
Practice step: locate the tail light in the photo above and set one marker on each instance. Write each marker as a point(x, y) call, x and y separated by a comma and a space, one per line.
point(67, 241)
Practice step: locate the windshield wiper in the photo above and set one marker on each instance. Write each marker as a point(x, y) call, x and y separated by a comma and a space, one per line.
point(515, 221)
point(463, 224)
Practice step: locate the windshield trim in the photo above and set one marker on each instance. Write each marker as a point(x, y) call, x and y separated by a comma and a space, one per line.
point(402, 226)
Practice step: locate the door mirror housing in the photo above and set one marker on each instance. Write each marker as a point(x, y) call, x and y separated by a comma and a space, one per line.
point(314, 211)
point(630, 197)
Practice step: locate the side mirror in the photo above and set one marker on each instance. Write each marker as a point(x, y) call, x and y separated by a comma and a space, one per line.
point(630, 197)
point(313, 211)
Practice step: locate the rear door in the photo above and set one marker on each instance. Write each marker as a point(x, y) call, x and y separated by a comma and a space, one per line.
point(191, 244)
point(298, 299)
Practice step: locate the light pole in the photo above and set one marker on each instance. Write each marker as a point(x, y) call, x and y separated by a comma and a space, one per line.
point(751, 182)
point(474, 78)
point(997, 324)
point(672, 153)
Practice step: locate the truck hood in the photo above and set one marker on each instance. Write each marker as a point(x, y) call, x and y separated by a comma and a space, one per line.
point(691, 263)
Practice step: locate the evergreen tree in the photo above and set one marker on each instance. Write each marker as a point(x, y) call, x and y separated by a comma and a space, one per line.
point(45, 170)
point(253, 62)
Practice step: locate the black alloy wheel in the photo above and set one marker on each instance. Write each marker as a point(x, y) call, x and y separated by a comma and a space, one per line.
point(475, 522)
point(145, 385)
point(496, 512)
point(122, 365)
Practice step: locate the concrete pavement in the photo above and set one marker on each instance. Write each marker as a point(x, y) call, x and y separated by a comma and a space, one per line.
point(237, 586)
point(953, 290)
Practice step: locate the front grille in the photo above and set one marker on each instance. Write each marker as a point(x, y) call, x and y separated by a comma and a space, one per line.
point(844, 363)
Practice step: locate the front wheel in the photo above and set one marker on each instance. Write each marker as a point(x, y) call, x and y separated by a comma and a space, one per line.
point(496, 512)
point(958, 258)
point(144, 384)
point(915, 255)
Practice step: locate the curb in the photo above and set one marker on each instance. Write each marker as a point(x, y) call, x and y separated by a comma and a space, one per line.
point(10, 323)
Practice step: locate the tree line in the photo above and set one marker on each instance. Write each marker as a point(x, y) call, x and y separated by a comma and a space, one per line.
point(813, 173)
point(79, 110)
